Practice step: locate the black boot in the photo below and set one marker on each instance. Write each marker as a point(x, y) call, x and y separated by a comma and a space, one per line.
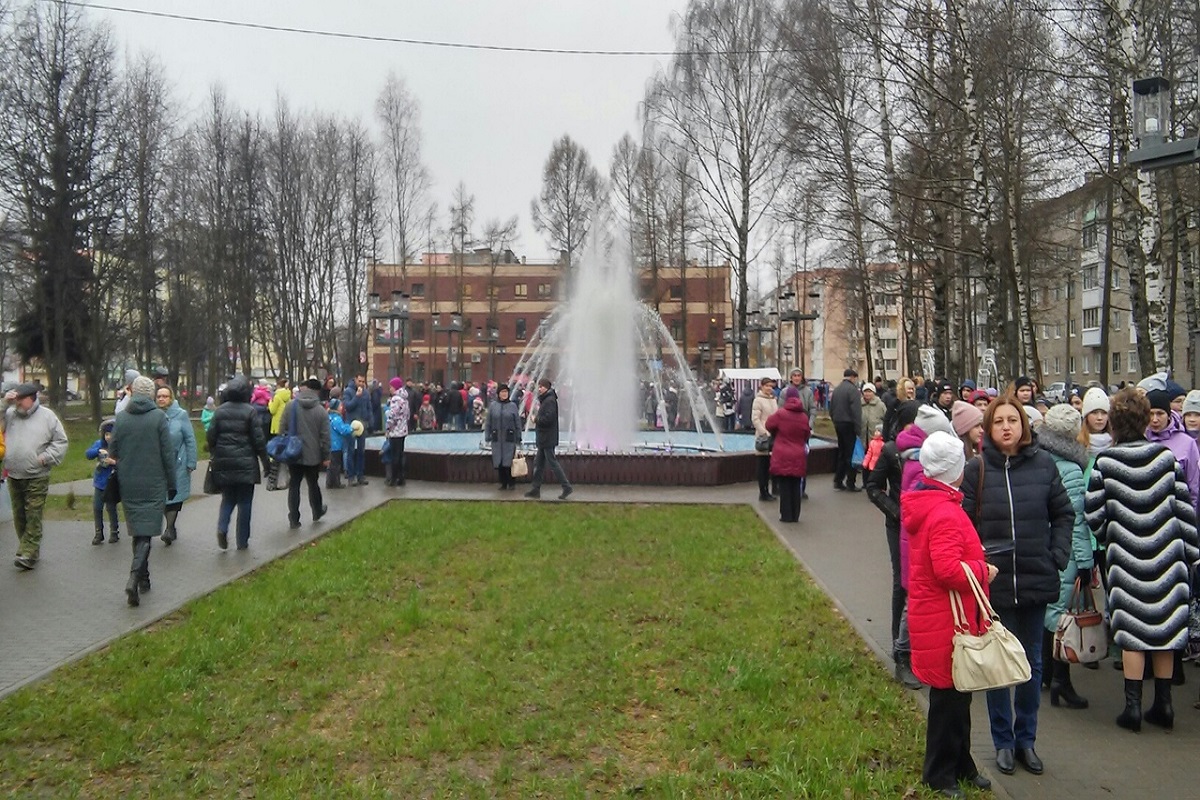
point(1048, 661)
point(99, 537)
point(1131, 717)
point(904, 673)
point(1061, 688)
point(1161, 713)
point(1177, 677)
point(169, 534)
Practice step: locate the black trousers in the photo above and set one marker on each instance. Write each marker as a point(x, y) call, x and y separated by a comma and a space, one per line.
point(948, 739)
point(790, 490)
point(847, 435)
point(899, 595)
point(312, 476)
point(764, 476)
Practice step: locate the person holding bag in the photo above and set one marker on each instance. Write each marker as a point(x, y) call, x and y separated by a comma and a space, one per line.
point(763, 407)
point(942, 542)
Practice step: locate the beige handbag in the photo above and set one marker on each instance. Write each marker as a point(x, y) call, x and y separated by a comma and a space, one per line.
point(995, 658)
point(520, 467)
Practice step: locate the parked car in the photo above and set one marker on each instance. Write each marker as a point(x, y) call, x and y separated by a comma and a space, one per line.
point(1056, 392)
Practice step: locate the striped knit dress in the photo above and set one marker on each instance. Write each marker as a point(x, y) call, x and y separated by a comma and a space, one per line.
point(1139, 505)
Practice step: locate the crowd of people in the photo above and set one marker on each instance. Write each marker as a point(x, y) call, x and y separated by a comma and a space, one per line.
point(145, 455)
point(1039, 501)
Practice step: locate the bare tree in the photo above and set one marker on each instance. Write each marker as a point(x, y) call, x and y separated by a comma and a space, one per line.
point(571, 194)
point(407, 180)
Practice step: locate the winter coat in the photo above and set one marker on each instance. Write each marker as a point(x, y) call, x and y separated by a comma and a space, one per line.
point(726, 401)
point(1139, 506)
point(141, 446)
point(357, 405)
point(789, 456)
point(428, 417)
point(873, 451)
point(745, 408)
point(845, 406)
point(183, 446)
point(1176, 437)
point(942, 541)
point(34, 442)
point(103, 471)
point(503, 430)
point(339, 431)
point(454, 401)
point(760, 412)
point(236, 443)
point(1071, 459)
point(206, 418)
point(395, 421)
point(872, 416)
point(1025, 522)
point(883, 485)
point(376, 395)
point(312, 426)
point(278, 403)
point(547, 420)
point(908, 447)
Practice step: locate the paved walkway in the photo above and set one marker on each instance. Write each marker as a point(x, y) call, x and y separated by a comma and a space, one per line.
point(74, 603)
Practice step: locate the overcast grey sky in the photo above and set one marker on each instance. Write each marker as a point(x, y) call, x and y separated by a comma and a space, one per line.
point(488, 118)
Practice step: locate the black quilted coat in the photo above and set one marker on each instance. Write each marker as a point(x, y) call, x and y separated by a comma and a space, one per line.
point(1024, 522)
point(236, 443)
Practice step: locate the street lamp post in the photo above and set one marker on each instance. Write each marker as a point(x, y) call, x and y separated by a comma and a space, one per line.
point(758, 324)
point(735, 339)
point(705, 348)
point(455, 326)
point(396, 315)
point(1151, 113)
point(491, 335)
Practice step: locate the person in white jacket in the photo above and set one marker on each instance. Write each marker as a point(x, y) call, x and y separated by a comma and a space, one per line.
point(35, 441)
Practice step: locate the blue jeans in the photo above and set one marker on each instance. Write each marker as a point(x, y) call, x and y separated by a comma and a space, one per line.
point(1019, 731)
point(358, 458)
point(240, 495)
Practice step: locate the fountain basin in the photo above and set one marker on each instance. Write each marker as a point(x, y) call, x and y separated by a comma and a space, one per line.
point(653, 461)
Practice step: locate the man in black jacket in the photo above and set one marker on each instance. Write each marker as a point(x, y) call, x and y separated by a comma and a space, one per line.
point(547, 440)
point(845, 409)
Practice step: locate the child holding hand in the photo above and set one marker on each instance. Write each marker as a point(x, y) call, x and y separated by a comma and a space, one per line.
point(98, 452)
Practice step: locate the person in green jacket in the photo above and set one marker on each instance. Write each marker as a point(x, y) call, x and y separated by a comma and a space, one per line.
point(183, 445)
point(142, 440)
point(206, 413)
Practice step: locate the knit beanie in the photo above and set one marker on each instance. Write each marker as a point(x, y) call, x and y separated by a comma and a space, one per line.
point(967, 384)
point(942, 457)
point(143, 386)
point(1023, 380)
point(979, 394)
point(1191, 404)
point(964, 417)
point(1094, 399)
point(1035, 416)
point(131, 375)
point(790, 393)
point(210, 403)
point(396, 383)
point(1156, 381)
point(906, 414)
point(1063, 420)
point(1175, 390)
point(929, 419)
point(1160, 399)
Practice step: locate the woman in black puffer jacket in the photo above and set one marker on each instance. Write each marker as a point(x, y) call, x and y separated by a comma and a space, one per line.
point(237, 448)
point(1024, 518)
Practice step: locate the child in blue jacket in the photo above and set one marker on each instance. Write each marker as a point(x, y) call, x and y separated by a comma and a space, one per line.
point(98, 452)
point(339, 434)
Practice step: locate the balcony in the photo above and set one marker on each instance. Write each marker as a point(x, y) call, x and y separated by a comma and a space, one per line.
point(1091, 337)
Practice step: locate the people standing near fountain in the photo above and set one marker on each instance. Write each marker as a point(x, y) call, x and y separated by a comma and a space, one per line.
point(845, 409)
point(546, 426)
point(726, 406)
point(789, 454)
point(764, 406)
point(502, 429)
point(357, 404)
point(396, 428)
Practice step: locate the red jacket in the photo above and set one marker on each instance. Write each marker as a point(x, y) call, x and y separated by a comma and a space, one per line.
point(791, 429)
point(942, 538)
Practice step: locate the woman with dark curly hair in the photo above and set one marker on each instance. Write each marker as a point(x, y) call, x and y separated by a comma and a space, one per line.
point(1139, 505)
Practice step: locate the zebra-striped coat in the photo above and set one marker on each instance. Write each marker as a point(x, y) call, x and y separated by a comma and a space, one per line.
point(1139, 505)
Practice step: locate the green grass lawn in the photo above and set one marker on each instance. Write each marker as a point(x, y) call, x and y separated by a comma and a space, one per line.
point(485, 650)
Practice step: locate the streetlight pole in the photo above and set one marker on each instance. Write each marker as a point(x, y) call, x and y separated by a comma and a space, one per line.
point(455, 326)
point(492, 336)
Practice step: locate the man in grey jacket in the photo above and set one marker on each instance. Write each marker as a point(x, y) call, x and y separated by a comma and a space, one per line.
point(312, 426)
point(36, 441)
point(845, 409)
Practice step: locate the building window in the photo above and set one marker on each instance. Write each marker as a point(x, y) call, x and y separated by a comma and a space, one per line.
point(1045, 331)
point(1116, 278)
point(1057, 293)
point(676, 292)
point(1087, 365)
point(543, 291)
point(520, 329)
point(1089, 235)
point(521, 290)
point(1091, 277)
point(1058, 330)
point(1133, 360)
point(493, 291)
point(1071, 326)
point(1071, 365)
point(887, 344)
point(418, 290)
point(1091, 318)
point(1116, 364)
point(677, 330)
point(466, 291)
point(1116, 320)
point(889, 365)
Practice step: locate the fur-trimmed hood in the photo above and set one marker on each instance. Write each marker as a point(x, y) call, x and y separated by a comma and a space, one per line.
point(1062, 447)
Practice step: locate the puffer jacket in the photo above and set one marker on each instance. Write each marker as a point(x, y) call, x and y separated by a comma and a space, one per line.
point(792, 430)
point(942, 541)
point(236, 443)
point(395, 420)
point(279, 401)
point(340, 431)
point(883, 485)
point(141, 446)
point(1025, 522)
point(908, 448)
point(1070, 458)
point(547, 419)
point(1183, 446)
point(761, 410)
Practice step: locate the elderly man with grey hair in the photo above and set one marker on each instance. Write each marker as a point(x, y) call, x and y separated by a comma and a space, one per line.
point(36, 441)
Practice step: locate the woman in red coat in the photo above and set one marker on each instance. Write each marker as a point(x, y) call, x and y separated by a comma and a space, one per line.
point(789, 457)
point(942, 539)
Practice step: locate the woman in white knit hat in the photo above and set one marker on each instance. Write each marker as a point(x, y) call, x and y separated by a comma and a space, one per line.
point(1095, 421)
point(1191, 413)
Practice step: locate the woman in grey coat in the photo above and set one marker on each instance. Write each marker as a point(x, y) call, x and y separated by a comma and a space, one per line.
point(502, 430)
point(183, 445)
point(141, 446)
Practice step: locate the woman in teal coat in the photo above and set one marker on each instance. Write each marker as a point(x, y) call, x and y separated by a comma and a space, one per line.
point(183, 445)
point(141, 447)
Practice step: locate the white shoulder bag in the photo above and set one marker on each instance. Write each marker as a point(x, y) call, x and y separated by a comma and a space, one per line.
point(995, 658)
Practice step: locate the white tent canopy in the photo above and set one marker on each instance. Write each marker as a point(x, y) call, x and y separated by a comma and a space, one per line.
point(754, 375)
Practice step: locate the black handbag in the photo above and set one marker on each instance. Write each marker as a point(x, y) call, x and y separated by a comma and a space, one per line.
point(112, 489)
point(210, 483)
point(763, 444)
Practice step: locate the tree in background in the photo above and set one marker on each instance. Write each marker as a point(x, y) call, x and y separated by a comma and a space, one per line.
point(571, 195)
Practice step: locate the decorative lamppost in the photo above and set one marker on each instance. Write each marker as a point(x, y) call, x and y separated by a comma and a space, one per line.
point(790, 313)
point(455, 326)
point(396, 315)
point(491, 336)
point(705, 348)
point(758, 324)
point(735, 339)
point(1151, 122)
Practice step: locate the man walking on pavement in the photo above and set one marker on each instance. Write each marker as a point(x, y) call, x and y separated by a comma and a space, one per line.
point(547, 440)
point(845, 409)
point(35, 441)
point(312, 426)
